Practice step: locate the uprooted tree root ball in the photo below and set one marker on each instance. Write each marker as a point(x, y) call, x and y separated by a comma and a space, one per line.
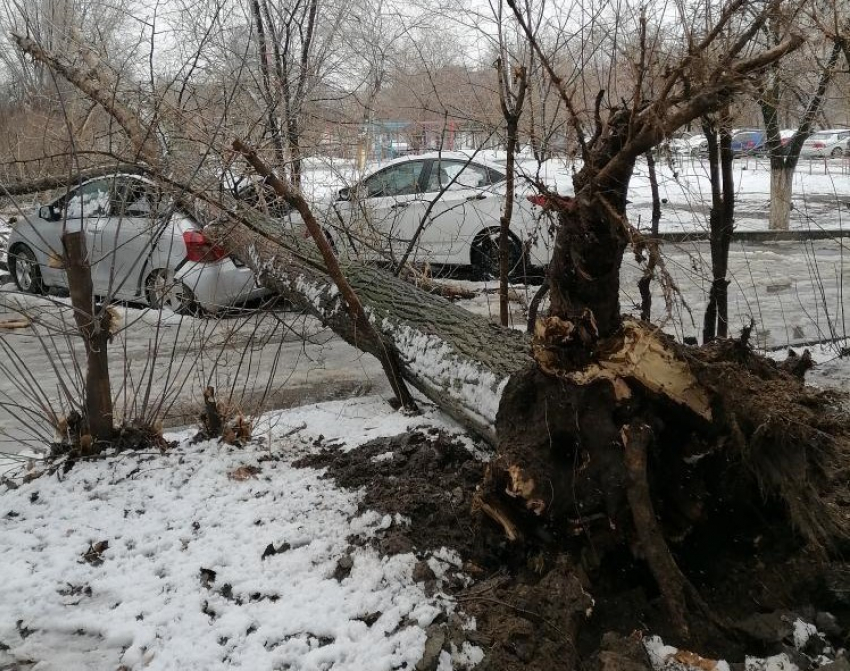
point(599, 506)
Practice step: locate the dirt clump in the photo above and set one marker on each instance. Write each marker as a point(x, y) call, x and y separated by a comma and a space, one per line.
point(426, 476)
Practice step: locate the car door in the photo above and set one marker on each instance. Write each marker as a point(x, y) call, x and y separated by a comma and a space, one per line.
point(466, 199)
point(123, 240)
point(381, 214)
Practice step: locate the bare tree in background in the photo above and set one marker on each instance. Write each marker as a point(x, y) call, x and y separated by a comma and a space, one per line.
point(818, 70)
point(512, 73)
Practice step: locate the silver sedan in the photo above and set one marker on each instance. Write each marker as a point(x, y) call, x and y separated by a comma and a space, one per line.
point(141, 248)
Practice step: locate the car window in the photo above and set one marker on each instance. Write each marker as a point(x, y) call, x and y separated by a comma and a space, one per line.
point(397, 180)
point(90, 200)
point(135, 199)
point(465, 176)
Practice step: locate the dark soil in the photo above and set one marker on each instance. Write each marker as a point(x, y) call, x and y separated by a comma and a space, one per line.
point(582, 602)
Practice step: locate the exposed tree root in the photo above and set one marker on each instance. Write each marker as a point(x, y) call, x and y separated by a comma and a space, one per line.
point(652, 440)
point(636, 438)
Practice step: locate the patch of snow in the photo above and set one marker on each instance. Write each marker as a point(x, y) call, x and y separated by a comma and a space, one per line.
point(438, 366)
point(779, 662)
point(803, 631)
point(349, 423)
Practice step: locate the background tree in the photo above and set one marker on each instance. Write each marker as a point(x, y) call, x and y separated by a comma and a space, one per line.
point(813, 79)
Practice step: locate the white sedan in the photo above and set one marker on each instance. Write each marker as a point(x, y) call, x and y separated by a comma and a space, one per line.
point(830, 143)
point(440, 208)
point(141, 247)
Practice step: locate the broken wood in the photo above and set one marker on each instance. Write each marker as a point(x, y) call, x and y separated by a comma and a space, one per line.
point(19, 323)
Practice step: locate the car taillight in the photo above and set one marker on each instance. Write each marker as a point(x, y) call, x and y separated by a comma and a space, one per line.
point(200, 249)
point(818, 145)
point(538, 199)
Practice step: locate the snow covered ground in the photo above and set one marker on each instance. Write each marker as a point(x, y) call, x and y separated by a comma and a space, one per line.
point(211, 557)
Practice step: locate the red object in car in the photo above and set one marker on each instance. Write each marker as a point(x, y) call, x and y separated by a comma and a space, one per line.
point(551, 201)
point(200, 249)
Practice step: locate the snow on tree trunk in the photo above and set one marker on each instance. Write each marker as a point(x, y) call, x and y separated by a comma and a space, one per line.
point(781, 181)
point(460, 361)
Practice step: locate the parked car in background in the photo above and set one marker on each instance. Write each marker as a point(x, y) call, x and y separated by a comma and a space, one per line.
point(443, 206)
point(830, 143)
point(785, 137)
point(747, 142)
point(698, 144)
point(141, 248)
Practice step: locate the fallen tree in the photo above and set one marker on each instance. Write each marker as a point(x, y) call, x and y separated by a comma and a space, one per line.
point(606, 429)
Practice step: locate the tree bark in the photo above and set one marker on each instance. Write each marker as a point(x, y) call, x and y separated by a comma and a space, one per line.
point(721, 226)
point(93, 325)
point(781, 190)
point(592, 237)
point(511, 99)
point(458, 360)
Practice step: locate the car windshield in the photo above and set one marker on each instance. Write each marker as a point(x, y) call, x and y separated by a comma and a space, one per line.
point(821, 137)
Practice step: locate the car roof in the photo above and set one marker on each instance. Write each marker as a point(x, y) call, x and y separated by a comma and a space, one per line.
point(435, 155)
point(830, 131)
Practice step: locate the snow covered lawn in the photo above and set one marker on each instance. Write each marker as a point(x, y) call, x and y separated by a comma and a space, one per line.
point(210, 556)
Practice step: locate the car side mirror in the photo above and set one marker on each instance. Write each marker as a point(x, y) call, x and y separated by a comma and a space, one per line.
point(47, 213)
point(345, 193)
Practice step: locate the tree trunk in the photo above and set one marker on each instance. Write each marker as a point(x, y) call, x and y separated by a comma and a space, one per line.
point(721, 226)
point(505, 223)
point(93, 326)
point(783, 159)
point(656, 196)
point(458, 360)
point(781, 186)
point(592, 237)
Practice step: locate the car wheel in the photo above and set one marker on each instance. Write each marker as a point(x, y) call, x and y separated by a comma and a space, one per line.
point(838, 152)
point(164, 291)
point(484, 255)
point(25, 270)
